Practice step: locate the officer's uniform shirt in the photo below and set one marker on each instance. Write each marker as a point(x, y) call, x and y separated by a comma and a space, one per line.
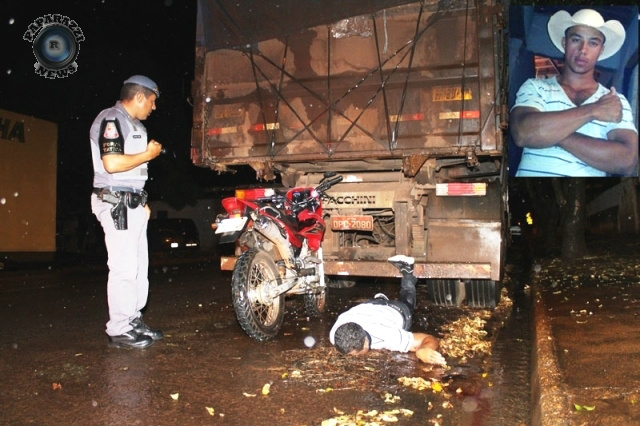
point(547, 95)
point(114, 132)
point(383, 323)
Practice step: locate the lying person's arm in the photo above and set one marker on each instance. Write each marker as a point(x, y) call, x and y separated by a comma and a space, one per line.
point(425, 346)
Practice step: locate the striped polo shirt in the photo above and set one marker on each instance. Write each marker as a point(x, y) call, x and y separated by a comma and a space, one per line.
point(547, 95)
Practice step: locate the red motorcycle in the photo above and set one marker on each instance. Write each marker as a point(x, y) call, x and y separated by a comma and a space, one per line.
point(279, 233)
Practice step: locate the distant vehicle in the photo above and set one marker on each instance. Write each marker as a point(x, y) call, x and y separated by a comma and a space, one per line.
point(171, 235)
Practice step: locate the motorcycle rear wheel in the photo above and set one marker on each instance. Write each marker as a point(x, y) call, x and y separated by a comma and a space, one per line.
point(259, 316)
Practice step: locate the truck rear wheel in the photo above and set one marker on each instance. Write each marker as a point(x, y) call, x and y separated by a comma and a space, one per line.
point(259, 315)
point(483, 293)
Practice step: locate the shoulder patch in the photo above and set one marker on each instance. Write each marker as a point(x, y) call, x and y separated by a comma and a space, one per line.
point(111, 139)
point(110, 130)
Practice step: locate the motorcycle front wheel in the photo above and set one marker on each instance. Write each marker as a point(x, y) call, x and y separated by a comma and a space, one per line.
point(259, 315)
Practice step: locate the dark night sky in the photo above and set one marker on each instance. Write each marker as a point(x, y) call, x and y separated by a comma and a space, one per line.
point(155, 38)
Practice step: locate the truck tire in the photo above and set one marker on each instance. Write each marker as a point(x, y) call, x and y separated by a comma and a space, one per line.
point(443, 292)
point(315, 303)
point(482, 293)
point(254, 273)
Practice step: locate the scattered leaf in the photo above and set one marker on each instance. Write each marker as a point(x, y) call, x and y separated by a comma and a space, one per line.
point(417, 383)
point(372, 417)
point(390, 398)
point(249, 395)
point(56, 386)
point(584, 407)
point(210, 410)
point(175, 396)
point(266, 388)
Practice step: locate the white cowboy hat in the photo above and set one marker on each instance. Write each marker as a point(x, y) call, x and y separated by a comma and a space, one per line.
point(613, 30)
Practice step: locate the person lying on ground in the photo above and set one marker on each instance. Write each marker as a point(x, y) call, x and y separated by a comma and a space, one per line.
point(381, 323)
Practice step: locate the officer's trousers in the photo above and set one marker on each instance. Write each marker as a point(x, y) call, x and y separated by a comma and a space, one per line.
point(128, 261)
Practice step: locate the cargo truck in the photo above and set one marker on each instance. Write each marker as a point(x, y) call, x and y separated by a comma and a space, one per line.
point(406, 100)
point(28, 176)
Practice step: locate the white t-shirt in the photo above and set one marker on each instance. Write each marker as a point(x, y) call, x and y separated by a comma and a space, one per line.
point(547, 95)
point(383, 323)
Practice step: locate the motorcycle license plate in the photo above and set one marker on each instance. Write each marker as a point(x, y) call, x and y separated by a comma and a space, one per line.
point(233, 224)
point(352, 223)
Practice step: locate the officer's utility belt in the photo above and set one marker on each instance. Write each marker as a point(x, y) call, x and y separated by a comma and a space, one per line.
point(121, 199)
point(132, 199)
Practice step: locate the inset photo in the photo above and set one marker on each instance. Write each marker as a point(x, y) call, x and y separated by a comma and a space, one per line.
point(573, 91)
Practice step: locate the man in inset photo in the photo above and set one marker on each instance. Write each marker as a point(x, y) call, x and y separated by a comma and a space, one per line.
point(571, 73)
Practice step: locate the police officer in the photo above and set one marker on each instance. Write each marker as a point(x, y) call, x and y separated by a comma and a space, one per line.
point(120, 152)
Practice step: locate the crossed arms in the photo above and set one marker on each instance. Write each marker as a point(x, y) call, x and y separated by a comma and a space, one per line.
point(618, 154)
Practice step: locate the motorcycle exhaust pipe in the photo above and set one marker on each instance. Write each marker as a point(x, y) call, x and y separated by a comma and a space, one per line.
point(271, 231)
point(307, 272)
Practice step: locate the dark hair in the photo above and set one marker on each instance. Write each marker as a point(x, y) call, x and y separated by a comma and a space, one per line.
point(129, 90)
point(349, 337)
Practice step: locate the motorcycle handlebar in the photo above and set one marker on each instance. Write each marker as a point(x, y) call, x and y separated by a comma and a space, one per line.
point(328, 184)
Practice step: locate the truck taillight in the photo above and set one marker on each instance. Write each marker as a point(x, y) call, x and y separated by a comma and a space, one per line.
point(260, 127)
point(407, 117)
point(214, 131)
point(254, 194)
point(456, 115)
point(460, 189)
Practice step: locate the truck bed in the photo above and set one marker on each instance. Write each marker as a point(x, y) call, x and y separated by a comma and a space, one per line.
point(415, 80)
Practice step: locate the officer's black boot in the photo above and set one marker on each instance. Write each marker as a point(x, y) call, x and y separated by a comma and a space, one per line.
point(143, 329)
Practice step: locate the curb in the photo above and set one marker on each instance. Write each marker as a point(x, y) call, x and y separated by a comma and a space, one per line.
point(549, 394)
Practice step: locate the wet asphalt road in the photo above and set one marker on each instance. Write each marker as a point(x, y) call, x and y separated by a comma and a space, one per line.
point(56, 368)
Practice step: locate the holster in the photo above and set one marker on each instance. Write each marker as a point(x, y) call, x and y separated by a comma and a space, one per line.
point(119, 201)
point(119, 215)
